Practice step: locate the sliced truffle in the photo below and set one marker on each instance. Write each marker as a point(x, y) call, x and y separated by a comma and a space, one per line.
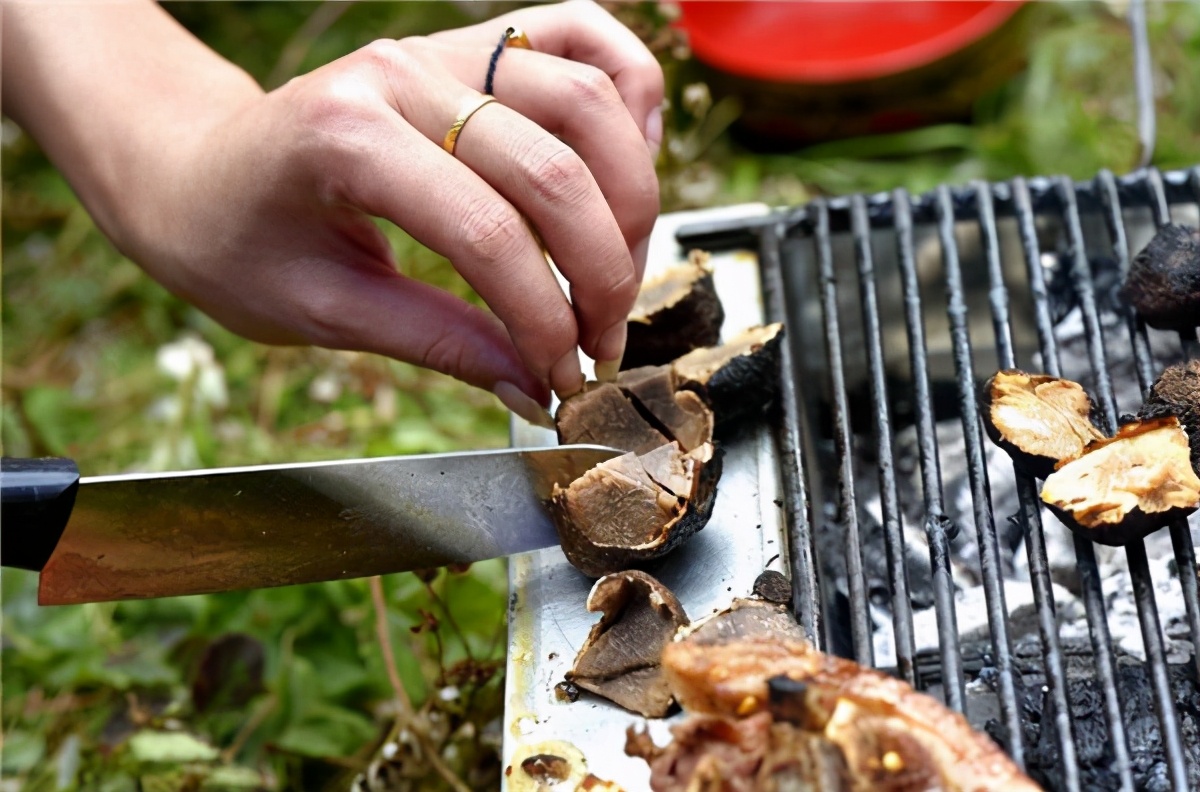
point(603, 415)
point(682, 414)
point(1039, 421)
point(888, 735)
point(1163, 284)
point(773, 586)
point(744, 618)
point(738, 379)
point(675, 312)
point(620, 659)
point(630, 509)
point(1127, 486)
point(1177, 392)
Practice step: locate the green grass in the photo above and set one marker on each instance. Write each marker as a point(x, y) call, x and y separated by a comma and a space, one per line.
point(289, 685)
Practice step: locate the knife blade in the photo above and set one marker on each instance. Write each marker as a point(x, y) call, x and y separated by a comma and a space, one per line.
point(147, 535)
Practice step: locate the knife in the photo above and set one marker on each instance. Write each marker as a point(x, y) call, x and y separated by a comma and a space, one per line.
point(140, 535)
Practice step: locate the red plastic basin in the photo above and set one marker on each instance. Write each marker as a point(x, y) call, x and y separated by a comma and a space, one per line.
point(835, 41)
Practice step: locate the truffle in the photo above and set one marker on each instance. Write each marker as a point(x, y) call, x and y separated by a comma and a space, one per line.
point(681, 414)
point(675, 312)
point(1163, 283)
point(1040, 421)
point(602, 414)
point(620, 659)
point(1177, 392)
point(632, 509)
point(738, 379)
point(1125, 487)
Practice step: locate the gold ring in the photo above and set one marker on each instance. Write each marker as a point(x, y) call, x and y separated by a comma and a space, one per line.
point(515, 37)
point(469, 108)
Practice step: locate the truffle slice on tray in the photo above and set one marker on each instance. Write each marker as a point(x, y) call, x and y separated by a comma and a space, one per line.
point(632, 509)
point(1163, 283)
point(675, 312)
point(1125, 487)
point(1040, 421)
point(620, 660)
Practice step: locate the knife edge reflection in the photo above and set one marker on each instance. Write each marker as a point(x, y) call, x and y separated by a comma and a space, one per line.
point(158, 535)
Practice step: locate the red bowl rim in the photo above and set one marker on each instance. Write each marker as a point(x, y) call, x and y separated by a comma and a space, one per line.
point(719, 51)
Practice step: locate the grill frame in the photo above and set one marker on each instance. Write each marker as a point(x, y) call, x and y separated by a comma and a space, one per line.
point(981, 203)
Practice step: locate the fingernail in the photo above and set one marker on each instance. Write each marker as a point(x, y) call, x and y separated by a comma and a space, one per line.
point(566, 377)
point(654, 131)
point(519, 402)
point(610, 350)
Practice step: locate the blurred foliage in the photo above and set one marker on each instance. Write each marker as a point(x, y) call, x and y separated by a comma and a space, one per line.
point(287, 688)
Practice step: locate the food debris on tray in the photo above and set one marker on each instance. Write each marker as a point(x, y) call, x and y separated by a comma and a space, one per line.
point(1163, 283)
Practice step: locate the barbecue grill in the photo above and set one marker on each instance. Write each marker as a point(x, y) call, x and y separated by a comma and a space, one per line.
point(892, 508)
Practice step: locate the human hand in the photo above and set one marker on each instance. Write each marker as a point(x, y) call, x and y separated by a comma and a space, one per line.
point(256, 207)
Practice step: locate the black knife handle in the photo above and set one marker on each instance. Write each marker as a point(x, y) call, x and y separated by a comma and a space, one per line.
point(36, 498)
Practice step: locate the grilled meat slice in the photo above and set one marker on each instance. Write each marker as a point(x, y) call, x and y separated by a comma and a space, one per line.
point(889, 736)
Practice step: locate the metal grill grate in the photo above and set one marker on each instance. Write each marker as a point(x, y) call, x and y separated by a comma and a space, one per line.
point(845, 274)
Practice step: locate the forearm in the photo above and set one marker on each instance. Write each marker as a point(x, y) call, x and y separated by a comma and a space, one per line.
point(116, 93)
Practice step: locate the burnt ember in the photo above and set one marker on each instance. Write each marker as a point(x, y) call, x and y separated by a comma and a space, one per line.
point(1164, 279)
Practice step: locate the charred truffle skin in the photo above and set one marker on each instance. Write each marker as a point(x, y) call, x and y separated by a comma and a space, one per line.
point(1040, 421)
point(1126, 487)
point(1177, 392)
point(1163, 284)
point(739, 379)
point(675, 313)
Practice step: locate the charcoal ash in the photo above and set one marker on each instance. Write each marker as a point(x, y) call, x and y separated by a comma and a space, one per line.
point(1092, 740)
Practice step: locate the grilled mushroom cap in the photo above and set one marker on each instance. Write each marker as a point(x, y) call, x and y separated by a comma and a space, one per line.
point(632, 509)
point(1040, 421)
point(1177, 392)
point(675, 312)
point(1164, 279)
point(620, 659)
point(738, 379)
point(1127, 486)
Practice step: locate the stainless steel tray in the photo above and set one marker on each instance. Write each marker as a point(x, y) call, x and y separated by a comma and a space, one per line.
point(547, 618)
